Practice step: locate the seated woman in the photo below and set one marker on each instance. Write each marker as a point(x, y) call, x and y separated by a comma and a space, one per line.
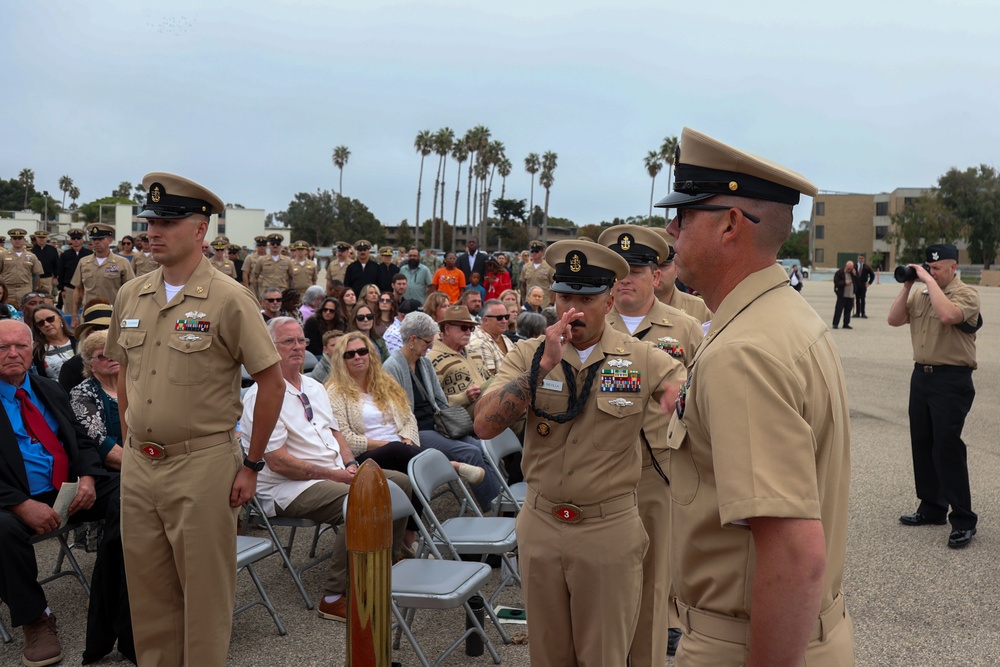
point(534, 300)
point(327, 317)
point(435, 304)
point(386, 313)
point(414, 373)
point(53, 343)
point(363, 320)
point(309, 300)
point(369, 295)
point(347, 302)
point(497, 280)
point(373, 411)
point(95, 400)
point(7, 310)
point(291, 299)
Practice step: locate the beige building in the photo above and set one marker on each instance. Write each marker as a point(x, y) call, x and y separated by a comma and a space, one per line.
point(845, 225)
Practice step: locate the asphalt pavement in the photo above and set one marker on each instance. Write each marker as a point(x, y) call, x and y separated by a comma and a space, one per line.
point(914, 601)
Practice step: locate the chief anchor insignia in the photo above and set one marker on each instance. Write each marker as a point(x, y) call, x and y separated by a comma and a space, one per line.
point(154, 193)
point(575, 265)
point(626, 242)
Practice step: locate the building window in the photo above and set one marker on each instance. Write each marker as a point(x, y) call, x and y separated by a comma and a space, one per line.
point(140, 226)
point(821, 208)
point(222, 225)
point(881, 231)
point(881, 208)
point(909, 201)
point(820, 255)
point(820, 232)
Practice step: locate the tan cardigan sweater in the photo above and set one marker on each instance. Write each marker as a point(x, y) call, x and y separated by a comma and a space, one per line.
point(352, 423)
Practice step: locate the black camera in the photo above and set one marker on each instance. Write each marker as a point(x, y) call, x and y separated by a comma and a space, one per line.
point(905, 273)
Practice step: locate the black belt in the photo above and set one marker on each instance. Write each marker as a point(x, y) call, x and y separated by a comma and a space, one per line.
point(942, 369)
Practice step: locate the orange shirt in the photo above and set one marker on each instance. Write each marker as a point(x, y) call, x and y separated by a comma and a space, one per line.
point(452, 282)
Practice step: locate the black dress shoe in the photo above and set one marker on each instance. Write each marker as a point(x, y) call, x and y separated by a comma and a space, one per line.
point(918, 519)
point(848, 326)
point(960, 538)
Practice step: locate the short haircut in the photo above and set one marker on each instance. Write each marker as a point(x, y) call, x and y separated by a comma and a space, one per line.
point(549, 313)
point(313, 294)
point(398, 276)
point(271, 290)
point(489, 303)
point(274, 323)
point(530, 325)
point(418, 324)
point(333, 333)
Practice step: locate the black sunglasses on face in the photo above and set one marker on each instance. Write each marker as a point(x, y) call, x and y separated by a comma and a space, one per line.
point(277, 300)
point(350, 354)
point(505, 316)
point(466, 328)
point(329, 310)
point(45, 320)
point(361, 317)
point(712, 207)
point(385, 300)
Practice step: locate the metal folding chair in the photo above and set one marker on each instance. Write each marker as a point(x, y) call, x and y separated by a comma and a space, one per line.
point(475, 534)
point(511, 495)
point(249, 550)
point(420, 583)
point(256, 516)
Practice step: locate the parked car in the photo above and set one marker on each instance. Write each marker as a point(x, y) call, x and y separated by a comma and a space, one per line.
point(789, 263)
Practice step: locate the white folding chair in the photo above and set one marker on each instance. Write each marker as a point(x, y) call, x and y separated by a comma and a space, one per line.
point(494, 450)
point(420, 583)
point(249, 550)
point(475, 534)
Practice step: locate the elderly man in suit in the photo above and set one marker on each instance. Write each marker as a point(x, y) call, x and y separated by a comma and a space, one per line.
point(42, 447)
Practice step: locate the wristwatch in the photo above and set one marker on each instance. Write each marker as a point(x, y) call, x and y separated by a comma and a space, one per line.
point(256, 466)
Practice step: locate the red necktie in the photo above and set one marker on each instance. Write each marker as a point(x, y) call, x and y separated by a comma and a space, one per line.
point(39, 431)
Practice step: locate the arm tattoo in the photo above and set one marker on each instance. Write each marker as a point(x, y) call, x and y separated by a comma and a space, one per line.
point(506, 406)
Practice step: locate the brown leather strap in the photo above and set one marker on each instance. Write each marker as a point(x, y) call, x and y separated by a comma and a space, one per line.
point(593, 511)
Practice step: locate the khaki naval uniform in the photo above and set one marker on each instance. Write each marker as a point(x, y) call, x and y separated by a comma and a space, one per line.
point(335, 271)
point(182, 383)
point(251, 259)
point(143, 264)
point(102, 280)
point(18, 273)
point(690, 304)
point(582, 576)
point(269, 272)
point(225, 267)
point(303, 275)
point(761, 429)
point(532, 276)
point(678, 335)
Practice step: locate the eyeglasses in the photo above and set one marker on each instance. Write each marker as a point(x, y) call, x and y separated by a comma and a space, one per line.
point(328, 310)
point(385, 300)
point(466, 328)
point(101, 357)
point(361, 317)
point(275, 300)
point(45, 320)
point(350, 354)
point(304, 400)
point(126, 243)
point(293, 341)
point(428, 343)
point(712, 207)
point(505, 316)
point(534, 250)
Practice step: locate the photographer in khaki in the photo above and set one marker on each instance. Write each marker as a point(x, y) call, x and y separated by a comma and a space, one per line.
point(943, 316)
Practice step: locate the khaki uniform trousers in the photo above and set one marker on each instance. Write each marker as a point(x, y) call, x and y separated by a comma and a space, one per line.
point(45, 285)
point(179, 538)
point(832, 646)
point(649, 644)
point(581, 586)
point(324, 503)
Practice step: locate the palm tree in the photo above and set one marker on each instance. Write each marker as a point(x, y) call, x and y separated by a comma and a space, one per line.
point(422, 144)
point(341, 154)
point(668, 149)
point(27, 179)
point(443, 140)
point(494, 155)
point(503, 168)
point(475, 140)
point(653, 167)
point(546, 180)
point(459, 153)
point(532, 164)
point(65, 183)
point(74, 194)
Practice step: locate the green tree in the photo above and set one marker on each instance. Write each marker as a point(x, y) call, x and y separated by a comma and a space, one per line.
point(459, 153)
point(925, 221)
point(139, 193)
point(123, 191)
point(423, 145)
point(591, 231)
point(442, 143)
point(546, 180)
point(532, 164)
point(323, 217)
point(91, 211)
point(447, 238)
point(341, 154)
point(27, 179)
point(668, 152)
point(653, 167)
point(503, 168)
point(476, 140)
point(796, 246)
point(74, 194)
point(404, 235)
point(65, 183)
point(973, 196)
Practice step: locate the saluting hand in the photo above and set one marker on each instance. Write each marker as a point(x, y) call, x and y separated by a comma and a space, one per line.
point(557, 337)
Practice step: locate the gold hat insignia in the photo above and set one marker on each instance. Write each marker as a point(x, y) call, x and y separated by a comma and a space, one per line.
point(626, 242)
point(733, 185)
point(154, 194)
point(575, 265)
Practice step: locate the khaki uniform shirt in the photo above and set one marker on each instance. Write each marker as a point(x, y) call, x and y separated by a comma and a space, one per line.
point(18, 273)
point(251, 259)
point(267, 272)
point(184, 358)
point(540, 277)
point(225, 267)
point(457, 372)
point(940, 344)
point(143, 264)
point(761, 429)
point(104, 280)
point(303, 275)
point(594, 457)
point(335, 271)
point(691, 304)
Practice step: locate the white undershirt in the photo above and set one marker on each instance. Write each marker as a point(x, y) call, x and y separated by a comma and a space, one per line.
point(171, 290)
point(100, 260)
point(535, 265)
point(377, 427)
point(632, 322)
point(584, 354)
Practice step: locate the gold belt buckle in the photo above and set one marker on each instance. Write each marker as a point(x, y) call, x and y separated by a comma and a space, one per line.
point(153, 450)
point(567, 512)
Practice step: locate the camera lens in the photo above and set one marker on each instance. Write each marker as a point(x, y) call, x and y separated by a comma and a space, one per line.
point(904, 274)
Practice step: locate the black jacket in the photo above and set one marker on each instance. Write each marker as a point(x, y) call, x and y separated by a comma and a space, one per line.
point(478, 267)
point(67, 265)
point(357, 277)
point(863, 278)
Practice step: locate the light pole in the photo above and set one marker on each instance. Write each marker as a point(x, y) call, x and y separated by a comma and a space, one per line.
point(45, 219)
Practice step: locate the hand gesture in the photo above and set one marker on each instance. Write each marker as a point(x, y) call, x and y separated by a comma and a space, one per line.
point(557, 337)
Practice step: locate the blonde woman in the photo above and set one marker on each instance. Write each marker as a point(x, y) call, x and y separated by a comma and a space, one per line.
point(436, 304)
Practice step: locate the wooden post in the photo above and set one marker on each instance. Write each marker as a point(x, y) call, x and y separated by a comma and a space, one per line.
point(369, 552)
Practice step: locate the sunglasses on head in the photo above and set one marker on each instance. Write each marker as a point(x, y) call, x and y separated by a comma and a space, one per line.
point(350, 354)
point(35, 295)
point(46, 320)
point(361, 317)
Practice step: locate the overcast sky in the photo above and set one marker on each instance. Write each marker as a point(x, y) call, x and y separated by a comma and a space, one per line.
point(250, 97)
